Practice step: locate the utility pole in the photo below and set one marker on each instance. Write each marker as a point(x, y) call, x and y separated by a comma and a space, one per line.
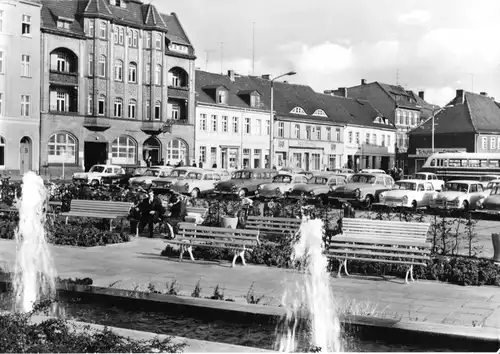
point(221, 56)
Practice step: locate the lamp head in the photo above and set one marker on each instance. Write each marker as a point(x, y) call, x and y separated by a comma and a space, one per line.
point(291, 73)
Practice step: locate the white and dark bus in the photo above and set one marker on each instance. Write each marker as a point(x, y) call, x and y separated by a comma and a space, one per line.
point(463, 165)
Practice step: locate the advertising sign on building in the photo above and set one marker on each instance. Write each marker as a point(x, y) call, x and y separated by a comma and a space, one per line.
point(428, 152)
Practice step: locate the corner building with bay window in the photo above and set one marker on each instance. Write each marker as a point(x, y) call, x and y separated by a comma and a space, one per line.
point(117, 85)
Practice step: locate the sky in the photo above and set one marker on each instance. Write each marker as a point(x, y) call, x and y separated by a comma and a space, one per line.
point(435, 46)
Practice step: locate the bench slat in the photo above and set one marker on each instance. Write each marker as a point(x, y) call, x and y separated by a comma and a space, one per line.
point(383, 261)
point(340, 252)
point(387, 231)
point(189, 226)
point(382, 241)
point(91, 215)
point(272, 219)
point(423, 250)
point(395, 223)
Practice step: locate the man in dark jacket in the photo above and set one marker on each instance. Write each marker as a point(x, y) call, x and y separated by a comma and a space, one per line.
point(151, 209)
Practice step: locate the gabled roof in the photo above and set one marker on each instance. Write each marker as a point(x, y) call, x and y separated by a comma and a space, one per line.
point(475, 114)
point(175, 32)
point(426, 108)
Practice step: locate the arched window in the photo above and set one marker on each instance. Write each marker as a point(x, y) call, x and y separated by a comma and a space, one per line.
point(158, 74)
point(132, 72)
point(124, 151)
point(101, 69)
point(157, 110)
point(132, 109)
point(118, 107)
point(2, 152)
point(176, 151)
point(118, 70)
point(298, 110)
point(62, 148)
point(319, 113)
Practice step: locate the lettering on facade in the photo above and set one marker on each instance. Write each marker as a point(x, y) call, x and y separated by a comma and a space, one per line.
point(428, 152)
point(281, 143)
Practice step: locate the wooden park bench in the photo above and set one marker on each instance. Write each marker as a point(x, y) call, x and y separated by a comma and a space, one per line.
point(237, 240)
point(271, 226)
point(378, 241)
point(99, 209)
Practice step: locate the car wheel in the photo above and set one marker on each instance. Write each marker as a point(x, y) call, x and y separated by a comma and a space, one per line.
point(414, 205)
point(94, 182)
point(465, 204)
point(195, 193)
point(242, 193)
point(368, 201)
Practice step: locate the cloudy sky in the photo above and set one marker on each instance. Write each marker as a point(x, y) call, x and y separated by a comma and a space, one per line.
point(436, 46)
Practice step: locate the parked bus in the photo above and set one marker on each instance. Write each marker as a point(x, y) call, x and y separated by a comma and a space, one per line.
point(463, 165)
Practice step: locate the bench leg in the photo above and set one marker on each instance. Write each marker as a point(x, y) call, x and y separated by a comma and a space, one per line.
point(110, 224)
point(239, 254)
point(190, 251)
point(343, 264)
point(181, 253)
point(410, 273)
point(66, 222)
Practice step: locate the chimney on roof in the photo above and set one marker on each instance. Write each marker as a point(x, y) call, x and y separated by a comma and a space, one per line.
point(421, 94)
point(342, 91)
point(363, 81)
point(231, 75)
point(484, 94)
point(460, 95)
point(266, 77)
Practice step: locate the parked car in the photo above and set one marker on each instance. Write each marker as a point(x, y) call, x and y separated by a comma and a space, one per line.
point(245, 182)
point(363, 189)
point(197, 183)
point(308, 174)
point(291, 170)
point(96, 173)
point(318, 187)
point(165, 180)
point(492, 184)
point(122, 179)
point(487, 178)
point(372, 170)
point(429, 177)
point(282, 183)
point(223, 173)
point(460, 195)
point(409, 193)
point(491, 204)
point(151, 174)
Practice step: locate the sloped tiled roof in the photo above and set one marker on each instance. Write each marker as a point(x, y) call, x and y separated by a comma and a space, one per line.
point(477, 113)
point(394, 90)
point(175, 32)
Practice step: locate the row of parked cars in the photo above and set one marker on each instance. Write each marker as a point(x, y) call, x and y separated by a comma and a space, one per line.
point(364, 189)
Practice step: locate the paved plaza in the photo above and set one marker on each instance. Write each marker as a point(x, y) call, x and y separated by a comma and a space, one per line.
point(138, 263)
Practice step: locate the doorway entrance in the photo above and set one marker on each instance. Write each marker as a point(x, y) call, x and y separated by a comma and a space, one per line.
point(306, 161)
point(151, 148)
point(94, 153)
point(25, 155)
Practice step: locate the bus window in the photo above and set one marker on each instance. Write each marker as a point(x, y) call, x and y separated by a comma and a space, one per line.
point(445, 163)
point(441, 162)
point(433, 162)
point(493, 163)
point(484, 163)
point(464, 163)
point(454, 163)
point(473, 163)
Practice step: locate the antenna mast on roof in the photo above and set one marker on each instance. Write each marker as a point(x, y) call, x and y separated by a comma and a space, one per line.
point(472, 81)
point(221, 56)
point(253, 48)
point(207, 52)
point(397, 76)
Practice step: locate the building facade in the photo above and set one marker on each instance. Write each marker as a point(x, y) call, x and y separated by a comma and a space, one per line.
point(19, 86)
point(118, 86)
point(469, 123)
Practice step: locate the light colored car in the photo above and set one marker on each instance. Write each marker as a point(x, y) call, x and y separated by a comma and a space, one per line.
point(460, 195)
point(372, 170)
point(485, 179)
point(96, 172)
point(244, 183)
point(429, 177)
point(151, 174)
point(491, 204)
point(282, 183)
point(197, 183)
point(363, 189)
point(409, 193)
point(223, 173)
point(318, 187)
point(165, 180)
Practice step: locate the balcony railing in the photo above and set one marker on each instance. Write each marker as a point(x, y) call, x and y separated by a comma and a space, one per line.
point(152, 127)
point(63, 78)
point(96, 123)
point(178, 92)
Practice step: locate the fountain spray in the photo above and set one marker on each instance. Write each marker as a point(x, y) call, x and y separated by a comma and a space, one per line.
point(311, 320)
point(34, 277)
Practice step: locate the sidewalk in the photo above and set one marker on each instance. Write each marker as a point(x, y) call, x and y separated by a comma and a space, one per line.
point(137, 263)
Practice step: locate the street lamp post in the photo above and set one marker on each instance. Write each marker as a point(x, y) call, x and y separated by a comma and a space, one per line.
point(271, 121)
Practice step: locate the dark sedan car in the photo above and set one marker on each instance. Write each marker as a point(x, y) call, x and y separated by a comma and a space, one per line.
point(122, 179)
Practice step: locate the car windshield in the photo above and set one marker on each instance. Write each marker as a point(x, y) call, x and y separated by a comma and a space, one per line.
point(419, 176)
point(456, 187)
point(164, 174)
point(363, 179)
point(405, 186)
point(177, 173)
point(97, 169)
point(153, 173)
point(282, 179)
point(242, 175)
point(139, 171)
point(490, 185)
point(495, 190)
point(194, 175)
point(318, 180)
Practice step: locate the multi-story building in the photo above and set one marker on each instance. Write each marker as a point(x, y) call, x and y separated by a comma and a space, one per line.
point(19, 85)
point(232, 124)
point(470, 122)
point(118, 85)
point(396, 104)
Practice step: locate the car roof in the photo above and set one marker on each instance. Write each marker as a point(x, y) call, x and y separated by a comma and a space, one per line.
point(188, 168)
point(325, 174)
point(464, 181)
point(256, 170)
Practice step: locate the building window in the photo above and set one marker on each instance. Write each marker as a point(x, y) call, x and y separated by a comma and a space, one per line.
point(367, 138)
point(118, 107)
point(102, 66)
point(158, 75)
point(498, 139)
point(213, 123)
point(124, 151)
point(358, 141)
point(298, 110)
point(157, 110)
point(297, 159)
point(349, 137)
point(25, 105)
point(101, 105)
point(203, 154)
point(1, 108)
point(329, 134)
point(148, 40)
point(493, 143)
point(62, 62)
point(316, 161)
point(337, 134)
point(175, 78)
point(318, 133)
point(248, 126)
point(297, 131)
point(308, 133)
point(258, 127)
point(129, 38)
point(236, 124)
point(134, 38)
point(225, 124)
point(203, 122)
point(268, 127)
point(118, 70)
point(175, 111)
point(115, 34)
point(91, 28)
point(131, 108)
point(148, 109)
point(158, 41)
point(132, 73)
point(26, 25)
point(62, 148)
point(102, 29)
point(2, 66)
point(120, 35)
point(62, 101)
point(25, 65)
point(148, 73)
point(281, 129)
point(388, 140)
point(484, 142)
point(374, 138)
point(91, 64)
point(1, 22)
point(383, 140)
point(2, 151)
point(222, 97)
point(398, 117)
point(176, 151)
point(90, 104)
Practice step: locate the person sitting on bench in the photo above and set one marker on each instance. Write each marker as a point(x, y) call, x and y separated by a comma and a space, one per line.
point(151, 209)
